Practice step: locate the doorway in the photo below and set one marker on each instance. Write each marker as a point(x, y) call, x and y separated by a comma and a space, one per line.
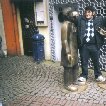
point(28, 25)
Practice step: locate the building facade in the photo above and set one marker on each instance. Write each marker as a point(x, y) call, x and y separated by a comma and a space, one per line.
point(19, 18)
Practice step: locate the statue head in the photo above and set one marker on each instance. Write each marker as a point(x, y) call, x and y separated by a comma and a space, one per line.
point(70, 12)
point(67, 12)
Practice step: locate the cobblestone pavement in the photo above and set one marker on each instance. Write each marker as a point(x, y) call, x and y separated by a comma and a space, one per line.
point(23, 82)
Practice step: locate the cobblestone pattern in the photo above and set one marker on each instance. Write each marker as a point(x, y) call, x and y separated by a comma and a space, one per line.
point(23, 82)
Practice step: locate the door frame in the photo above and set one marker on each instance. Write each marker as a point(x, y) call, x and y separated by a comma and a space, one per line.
point(10, 27)
point(22, 30)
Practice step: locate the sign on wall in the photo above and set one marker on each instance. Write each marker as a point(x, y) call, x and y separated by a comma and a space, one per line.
point(40, 14)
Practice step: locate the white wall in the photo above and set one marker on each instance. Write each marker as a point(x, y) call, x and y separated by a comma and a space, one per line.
point(43, 28)
point(57, 35)
point(2, 34)
point(20, 31)
point(44, 31)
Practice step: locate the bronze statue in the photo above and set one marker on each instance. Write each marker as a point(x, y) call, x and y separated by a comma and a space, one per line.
point(69, 51)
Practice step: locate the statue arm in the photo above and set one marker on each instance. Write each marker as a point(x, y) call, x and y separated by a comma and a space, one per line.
point(64, 36)
point(64, 40)
point(66, 47)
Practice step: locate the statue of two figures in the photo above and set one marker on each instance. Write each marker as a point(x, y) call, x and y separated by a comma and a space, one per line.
point(69, 51)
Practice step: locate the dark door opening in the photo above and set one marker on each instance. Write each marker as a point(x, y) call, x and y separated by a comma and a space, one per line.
point(28, 25)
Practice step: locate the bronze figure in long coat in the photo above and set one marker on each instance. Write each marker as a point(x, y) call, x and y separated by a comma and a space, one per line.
point(69, 52)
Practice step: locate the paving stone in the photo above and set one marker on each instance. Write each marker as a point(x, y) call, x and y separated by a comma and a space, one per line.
point(41, 84)
point(67, 103)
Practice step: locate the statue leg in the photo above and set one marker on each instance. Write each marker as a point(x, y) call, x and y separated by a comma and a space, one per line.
point(75, 73)
point(68, 77)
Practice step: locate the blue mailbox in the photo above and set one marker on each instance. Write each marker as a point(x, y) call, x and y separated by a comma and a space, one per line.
point(38, 47)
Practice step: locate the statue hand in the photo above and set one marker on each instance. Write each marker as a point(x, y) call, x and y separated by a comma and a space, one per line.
point(69, 57)
point(75, 13)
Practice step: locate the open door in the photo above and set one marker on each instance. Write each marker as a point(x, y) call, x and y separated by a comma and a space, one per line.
point(28, 25)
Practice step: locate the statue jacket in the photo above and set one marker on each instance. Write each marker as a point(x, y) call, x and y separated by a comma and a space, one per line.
point(69, 45)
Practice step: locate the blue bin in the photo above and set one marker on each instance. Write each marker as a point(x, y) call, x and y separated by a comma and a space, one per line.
point(38, 47)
